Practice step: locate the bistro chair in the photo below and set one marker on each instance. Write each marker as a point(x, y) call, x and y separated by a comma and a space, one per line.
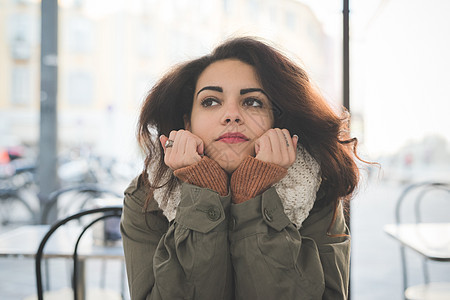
point(71, 199)
point(79, 197)
point(429, 203)
point(92, 216)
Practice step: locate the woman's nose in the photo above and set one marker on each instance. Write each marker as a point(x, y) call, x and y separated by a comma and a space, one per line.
point(232, 114)
point(229, 120)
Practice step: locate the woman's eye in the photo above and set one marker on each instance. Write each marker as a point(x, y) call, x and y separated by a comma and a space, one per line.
point(253, 102)
point(209, 102)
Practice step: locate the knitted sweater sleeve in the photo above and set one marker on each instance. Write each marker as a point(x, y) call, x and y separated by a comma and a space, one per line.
point(206, 174)
point(253, 177)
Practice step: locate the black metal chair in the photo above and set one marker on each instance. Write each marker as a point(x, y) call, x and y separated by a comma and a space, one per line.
point(96, 215)
point(83, 193)
point(416, 195)
point(68, 200)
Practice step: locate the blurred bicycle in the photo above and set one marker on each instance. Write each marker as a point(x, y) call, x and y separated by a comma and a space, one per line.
point(18, 193)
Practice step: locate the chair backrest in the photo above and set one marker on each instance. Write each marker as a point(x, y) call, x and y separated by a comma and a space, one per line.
point(105, 212)
point(418, 203)
point(417, 194)
point(91, 191)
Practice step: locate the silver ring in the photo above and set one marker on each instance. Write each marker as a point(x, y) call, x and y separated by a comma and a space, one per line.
point(287, 142)
point(168, 144)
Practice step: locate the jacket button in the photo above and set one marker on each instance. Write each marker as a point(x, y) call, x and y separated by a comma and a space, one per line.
point(231, 223)
point(268, 215)
point(213, 214)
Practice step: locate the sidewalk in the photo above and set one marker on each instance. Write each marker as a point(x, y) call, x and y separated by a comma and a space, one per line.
point(375, 259)
point(376, 267)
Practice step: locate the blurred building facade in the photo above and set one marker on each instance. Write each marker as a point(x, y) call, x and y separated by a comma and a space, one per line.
point(112, 52)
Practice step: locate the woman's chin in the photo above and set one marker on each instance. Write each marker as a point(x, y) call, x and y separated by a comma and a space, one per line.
point(230, 169)
point(230, 164)
point(229, 157)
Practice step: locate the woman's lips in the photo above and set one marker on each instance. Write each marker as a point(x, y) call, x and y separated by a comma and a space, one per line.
point(233, 138)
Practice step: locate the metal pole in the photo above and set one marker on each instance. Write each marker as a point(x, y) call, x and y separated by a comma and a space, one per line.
point(48, 134)
point(346, 91)
point(346, 74)
point(346, 57)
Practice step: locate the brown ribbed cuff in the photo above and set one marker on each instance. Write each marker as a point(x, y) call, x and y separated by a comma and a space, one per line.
point(206, 174)
point(253, 177)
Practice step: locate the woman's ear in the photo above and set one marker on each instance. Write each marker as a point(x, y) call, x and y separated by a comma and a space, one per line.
point(187, 123)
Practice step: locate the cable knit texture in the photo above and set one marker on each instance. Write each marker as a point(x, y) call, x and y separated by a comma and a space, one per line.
point(299, 187)
point(207, 174)
point(253, 177)
point(297, 190)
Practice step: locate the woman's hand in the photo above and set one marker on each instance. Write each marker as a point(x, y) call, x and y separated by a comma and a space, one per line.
point(277, 146)
point(186, 150)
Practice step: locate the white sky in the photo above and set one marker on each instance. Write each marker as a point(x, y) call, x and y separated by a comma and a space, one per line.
point(402, 57)
point(400, 68)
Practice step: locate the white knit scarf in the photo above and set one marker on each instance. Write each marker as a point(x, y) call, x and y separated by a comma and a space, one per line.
point(297, 190)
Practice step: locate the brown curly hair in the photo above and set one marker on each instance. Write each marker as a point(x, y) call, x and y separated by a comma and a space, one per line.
point(297, 106)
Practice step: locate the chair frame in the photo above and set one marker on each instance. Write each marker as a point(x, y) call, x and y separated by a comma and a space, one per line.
point(81, 188)
point(425, 188)
point(108, 212)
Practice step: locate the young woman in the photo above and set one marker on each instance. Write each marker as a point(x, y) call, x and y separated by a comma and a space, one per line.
point(241, 194)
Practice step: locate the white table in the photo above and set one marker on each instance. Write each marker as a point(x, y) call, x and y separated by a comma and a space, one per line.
point(431, 240)
point(24, 242)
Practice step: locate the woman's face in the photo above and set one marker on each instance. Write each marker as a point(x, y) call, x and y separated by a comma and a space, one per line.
point(230, 111)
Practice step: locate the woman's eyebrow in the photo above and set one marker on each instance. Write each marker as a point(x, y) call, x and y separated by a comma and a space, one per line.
point(212, 88)
point(250, 90)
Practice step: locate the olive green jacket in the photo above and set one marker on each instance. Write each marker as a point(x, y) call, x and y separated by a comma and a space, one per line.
point(217, 250)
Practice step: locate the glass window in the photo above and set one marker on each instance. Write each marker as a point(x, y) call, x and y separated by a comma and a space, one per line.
point(20, 32)
point(80, 88)
point(79, 35)
point(146, 40)
point(21, 85)
point(291, 20)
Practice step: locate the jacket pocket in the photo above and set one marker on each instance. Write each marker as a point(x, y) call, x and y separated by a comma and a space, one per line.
point(294, 265)
point(336, 261)
point(279, 250)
